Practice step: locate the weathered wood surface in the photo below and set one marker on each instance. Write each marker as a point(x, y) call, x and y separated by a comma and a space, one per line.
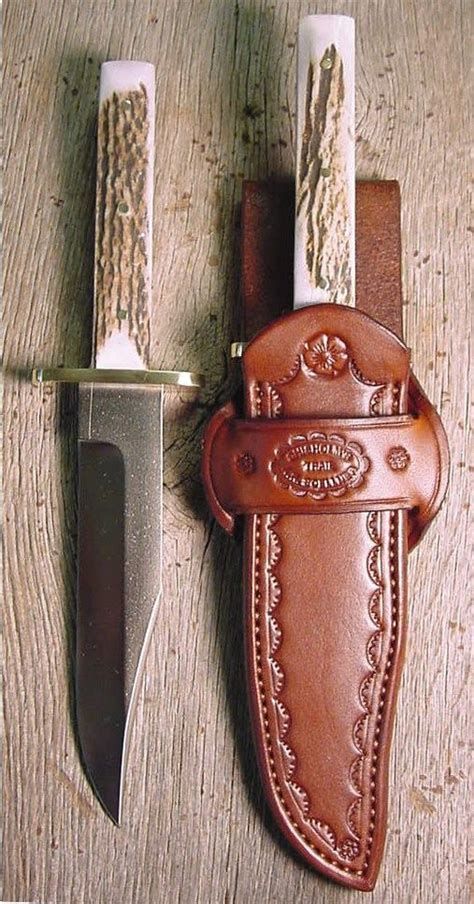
point(196, 828)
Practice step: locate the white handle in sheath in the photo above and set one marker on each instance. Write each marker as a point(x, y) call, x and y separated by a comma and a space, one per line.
point(325, 162)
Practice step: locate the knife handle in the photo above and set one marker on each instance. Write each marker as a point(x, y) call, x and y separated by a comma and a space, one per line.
point(124, 207)
point(325, 162)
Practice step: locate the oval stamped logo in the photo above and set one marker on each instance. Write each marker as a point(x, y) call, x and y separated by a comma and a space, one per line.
point(318, 465)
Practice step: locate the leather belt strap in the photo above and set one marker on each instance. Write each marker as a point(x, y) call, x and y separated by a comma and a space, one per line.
point(379, 254)
point(325, 574)
point(267, 219)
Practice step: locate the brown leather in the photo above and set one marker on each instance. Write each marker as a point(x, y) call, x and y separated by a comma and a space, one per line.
point(267, 258)
point(267, 253)
point(331, 465)
point(419, 520)
point(324, 622)
point(325, 592)
point(379, 254)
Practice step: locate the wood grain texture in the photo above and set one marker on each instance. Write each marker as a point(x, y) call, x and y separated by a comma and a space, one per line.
point(195, 825)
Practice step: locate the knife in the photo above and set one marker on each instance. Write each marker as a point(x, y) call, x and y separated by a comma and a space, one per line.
point(120, 437)
point(336, 462)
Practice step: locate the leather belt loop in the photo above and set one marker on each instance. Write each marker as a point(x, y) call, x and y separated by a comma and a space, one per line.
point(379, 253)
point(266, 285)
point(268, 224)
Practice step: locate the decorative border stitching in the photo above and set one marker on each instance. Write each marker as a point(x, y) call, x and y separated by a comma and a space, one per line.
point(282, 716)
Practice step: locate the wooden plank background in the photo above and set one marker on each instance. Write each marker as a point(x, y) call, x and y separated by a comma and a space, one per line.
point(195, 825)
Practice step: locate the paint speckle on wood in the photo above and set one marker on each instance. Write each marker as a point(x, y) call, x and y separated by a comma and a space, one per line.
point(420, 802)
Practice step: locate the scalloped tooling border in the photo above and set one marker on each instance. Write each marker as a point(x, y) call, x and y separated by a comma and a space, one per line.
point(267, 402)
point(349, 848)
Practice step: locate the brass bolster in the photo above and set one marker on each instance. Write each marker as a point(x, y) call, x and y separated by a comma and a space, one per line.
point(179, 379)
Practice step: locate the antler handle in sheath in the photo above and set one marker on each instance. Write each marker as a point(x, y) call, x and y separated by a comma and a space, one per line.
point(325, 162)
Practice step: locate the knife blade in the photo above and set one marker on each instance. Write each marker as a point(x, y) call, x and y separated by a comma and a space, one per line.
point(120, 440)
point(120, 437)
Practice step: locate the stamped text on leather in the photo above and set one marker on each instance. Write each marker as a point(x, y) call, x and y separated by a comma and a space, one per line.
point(317, 465)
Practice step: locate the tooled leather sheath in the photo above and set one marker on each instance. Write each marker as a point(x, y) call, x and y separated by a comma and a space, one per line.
point(325, 592)
point(325, 597)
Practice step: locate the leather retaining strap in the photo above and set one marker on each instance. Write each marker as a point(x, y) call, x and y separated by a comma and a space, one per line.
point(335, 444)
point(280, 465)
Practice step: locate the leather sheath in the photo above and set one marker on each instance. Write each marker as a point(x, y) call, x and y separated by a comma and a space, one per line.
point(336, 462)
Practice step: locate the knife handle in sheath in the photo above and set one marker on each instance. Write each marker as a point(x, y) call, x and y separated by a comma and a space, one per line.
point(336, 463)
point(124, 208)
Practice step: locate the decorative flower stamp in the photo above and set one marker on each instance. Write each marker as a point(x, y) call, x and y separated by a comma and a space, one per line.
point(325, 355)
point(398, 458)
point(245, 463)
